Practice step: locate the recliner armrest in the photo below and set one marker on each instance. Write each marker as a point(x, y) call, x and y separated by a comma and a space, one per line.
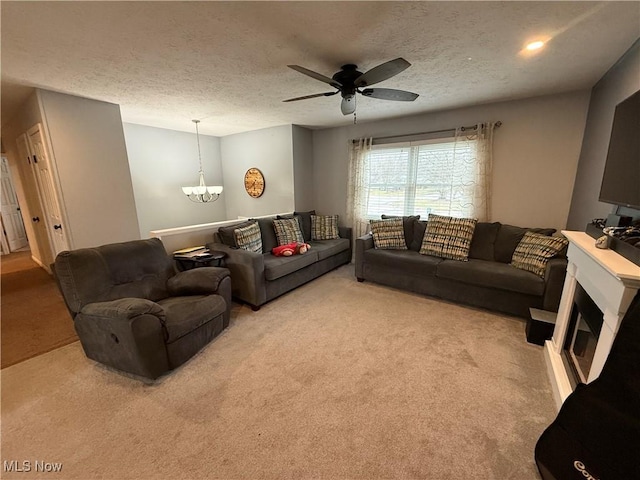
point(197, 281)
point(123, 309)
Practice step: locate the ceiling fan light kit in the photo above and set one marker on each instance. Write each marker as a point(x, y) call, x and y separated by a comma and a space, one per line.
point(349, 81)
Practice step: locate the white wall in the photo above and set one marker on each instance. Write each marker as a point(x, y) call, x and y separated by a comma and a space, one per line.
point(91, 158)
point(270, 150)
point(622, 80)
point(161, 162)
point(303, 168)
point(536, 153)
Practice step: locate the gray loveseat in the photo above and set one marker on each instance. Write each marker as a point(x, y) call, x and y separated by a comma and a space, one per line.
point(487, 280)
point(257, 278)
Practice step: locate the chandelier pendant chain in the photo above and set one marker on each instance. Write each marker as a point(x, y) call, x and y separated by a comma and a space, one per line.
point(201, 193)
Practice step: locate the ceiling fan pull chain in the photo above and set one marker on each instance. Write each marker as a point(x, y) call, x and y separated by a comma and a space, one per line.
point(354, 118)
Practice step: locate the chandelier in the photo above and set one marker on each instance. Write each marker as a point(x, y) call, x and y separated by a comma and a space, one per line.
point(201, 193)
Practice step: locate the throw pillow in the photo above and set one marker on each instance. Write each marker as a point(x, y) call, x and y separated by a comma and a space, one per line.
point(448, 237)
point(248, 238)
point(534, 251)
point(227, 236)
point(407, 225)
point(324, 227)
point(388, 234)
point(509, 237)
point(288, 231)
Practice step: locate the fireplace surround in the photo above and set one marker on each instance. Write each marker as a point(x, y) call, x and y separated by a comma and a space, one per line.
point(610, 282)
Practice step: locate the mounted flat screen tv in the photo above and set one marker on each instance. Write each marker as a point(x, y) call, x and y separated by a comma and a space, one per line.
point(621, 179)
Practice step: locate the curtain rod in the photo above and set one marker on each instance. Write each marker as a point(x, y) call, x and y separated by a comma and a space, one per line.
point(471, 127)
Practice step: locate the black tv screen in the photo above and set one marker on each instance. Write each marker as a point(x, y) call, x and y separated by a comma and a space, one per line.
point(621, 179)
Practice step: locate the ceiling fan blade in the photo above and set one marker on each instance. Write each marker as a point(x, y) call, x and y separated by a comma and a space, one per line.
point(348, 105)
point(328, 94)
point(317, 76)
point(390, 94)
point(382, 72)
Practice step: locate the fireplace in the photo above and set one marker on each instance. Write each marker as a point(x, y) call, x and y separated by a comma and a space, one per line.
point(598, 289)
point(584, 330)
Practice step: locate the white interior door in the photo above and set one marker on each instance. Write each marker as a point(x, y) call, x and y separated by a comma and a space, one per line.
point(41, 164)
point(12, 223)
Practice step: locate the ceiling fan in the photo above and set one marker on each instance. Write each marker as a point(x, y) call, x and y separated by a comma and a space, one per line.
point(349, 81)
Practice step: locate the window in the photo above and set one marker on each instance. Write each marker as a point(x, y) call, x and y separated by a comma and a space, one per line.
point(437, 177)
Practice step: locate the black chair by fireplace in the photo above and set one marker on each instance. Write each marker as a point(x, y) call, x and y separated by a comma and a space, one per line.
point(596, 434)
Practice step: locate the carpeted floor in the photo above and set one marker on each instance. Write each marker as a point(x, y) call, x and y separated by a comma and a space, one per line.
point(335, 380)
point(34, 317)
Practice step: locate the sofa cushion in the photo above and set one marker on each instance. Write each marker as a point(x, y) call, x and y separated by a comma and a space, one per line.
point(267, 234)
point(419, 227)
point(226, 233)
point(509, 237)
point(534, 251)
point(388, 234)
point(184, 314)
point(405, 261)
point(329, 248)
point(288, 231)
point(324, 227)
point(248, 238)
point(448, 237)
point(407, 225)
point(484, 238)
point(305, 223)
point(276, 267)
point(491, 274)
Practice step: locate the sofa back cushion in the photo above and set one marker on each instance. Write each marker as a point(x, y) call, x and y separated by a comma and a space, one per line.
point(509, 237)
point(483, 241)
point(268, 234)
point(419, 227)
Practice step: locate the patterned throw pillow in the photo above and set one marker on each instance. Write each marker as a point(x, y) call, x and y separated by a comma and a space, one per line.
point(448, 237)
point(288, 231)
point(534, 251)
point(248, 238)
point(388, 234)
point(324, 227)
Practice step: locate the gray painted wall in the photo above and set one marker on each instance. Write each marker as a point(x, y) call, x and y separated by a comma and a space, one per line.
point(536, 154)
point(622, 80)
point(303, 168)
point(161, 162)
point(93, 170)
point(271, 151)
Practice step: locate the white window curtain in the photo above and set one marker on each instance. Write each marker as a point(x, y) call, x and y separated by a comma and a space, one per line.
point(445, 176)
point(358, 186)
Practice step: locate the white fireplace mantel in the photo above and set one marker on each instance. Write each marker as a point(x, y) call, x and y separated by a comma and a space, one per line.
point(611, 281)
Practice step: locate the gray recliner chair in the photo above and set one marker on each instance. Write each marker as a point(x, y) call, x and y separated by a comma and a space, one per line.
point(133, 312)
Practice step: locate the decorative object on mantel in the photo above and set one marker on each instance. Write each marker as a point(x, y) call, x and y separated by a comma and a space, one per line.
point(254, 182)
point(201, 193)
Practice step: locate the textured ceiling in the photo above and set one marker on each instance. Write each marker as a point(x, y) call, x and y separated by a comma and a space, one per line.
point(166, 63)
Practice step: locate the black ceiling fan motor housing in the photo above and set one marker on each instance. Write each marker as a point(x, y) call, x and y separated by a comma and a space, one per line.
point(347, 77)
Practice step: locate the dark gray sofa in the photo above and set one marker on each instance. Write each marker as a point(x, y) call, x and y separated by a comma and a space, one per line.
point(257, 278)
point(486, 280)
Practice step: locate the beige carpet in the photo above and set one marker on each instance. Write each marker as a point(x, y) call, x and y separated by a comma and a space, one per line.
point(335, 380)
point(34, 318)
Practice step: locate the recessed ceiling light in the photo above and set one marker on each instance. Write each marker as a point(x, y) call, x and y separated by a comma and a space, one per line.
point(535, 45)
